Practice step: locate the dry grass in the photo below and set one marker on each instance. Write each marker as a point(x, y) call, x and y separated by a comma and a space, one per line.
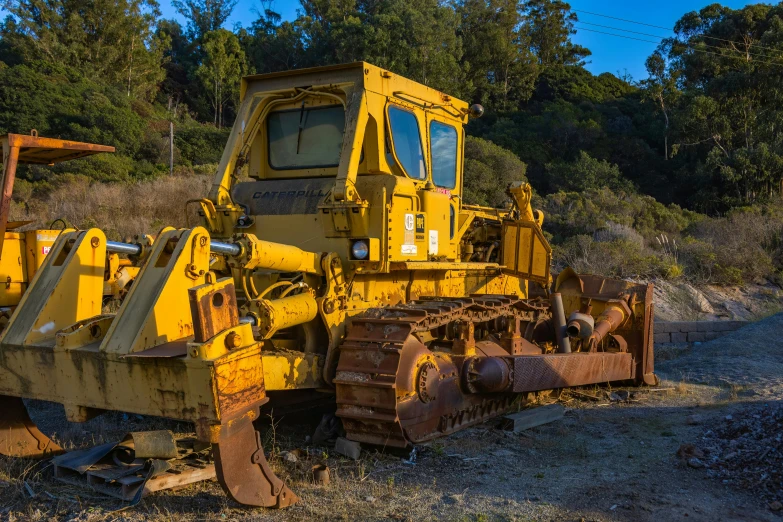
point(121, 210)
point(683, 388)
point(600, 451)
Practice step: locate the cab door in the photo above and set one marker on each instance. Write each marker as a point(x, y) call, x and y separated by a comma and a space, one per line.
point(439, 199)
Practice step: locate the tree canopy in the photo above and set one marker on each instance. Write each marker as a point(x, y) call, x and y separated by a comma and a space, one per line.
point(703, 130)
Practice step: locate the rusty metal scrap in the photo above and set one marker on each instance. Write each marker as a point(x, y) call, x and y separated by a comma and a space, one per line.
point(242, 468)
point(139, 464)
point(21, 436)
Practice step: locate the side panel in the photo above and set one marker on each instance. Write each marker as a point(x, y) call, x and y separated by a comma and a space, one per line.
point(13, 279)
point(526, 253)
point(401, 286)
point(38, 243)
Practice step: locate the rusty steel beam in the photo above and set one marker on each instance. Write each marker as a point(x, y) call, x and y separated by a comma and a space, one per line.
point(48, 151)
point(552, 371)
point(10, 161)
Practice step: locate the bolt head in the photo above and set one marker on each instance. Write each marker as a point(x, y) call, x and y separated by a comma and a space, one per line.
point(233, 340)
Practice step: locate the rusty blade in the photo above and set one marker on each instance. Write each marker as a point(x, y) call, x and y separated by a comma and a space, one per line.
point(243, 471)
point(19, 436)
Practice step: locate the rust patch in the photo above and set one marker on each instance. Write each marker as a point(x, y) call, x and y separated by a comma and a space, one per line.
point(242, 469)
point(239, 384)
point(213, 310)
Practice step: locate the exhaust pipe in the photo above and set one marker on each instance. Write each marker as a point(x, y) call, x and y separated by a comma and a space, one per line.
point(613, 316)
point(558, 316)
point(580, 325)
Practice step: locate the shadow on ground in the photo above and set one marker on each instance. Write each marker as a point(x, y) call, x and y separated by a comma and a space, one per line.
point(603, 461)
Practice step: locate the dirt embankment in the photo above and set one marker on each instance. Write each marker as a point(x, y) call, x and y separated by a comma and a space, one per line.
point(681, 301)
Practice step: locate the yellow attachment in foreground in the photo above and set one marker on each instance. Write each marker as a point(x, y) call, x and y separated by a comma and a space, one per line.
point(157, 308)
point(67, 289)
point(84, 368)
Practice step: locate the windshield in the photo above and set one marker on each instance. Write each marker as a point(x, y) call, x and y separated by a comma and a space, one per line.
point(306, 137)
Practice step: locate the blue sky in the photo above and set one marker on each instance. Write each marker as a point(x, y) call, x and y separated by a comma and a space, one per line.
point(610, 54)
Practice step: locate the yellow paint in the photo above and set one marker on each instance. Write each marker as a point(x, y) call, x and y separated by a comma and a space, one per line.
point(277, 314)
point(157, 308)
point(37, 244)
point(67, 289)
point(291, 370)
point(13, 269)
point(216, 347)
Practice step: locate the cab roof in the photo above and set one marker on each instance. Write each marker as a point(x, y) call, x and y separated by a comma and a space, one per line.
point(371, 77)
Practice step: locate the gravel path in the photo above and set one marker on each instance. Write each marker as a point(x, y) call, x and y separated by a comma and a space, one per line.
point(751, 358)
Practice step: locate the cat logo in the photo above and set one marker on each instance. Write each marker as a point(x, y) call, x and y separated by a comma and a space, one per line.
point(420, 223)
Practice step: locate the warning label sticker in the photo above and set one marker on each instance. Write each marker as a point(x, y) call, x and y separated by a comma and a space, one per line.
point(433, 246)
point(410, 235)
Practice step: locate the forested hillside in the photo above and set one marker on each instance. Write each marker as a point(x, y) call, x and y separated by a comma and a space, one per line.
point(675, 175)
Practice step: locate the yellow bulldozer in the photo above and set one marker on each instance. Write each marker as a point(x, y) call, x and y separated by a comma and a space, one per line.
point(335, 256)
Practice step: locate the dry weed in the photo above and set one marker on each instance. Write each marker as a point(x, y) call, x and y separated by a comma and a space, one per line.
point(121, 210)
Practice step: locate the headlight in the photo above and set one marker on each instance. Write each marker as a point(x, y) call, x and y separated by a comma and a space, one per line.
point(360, 250)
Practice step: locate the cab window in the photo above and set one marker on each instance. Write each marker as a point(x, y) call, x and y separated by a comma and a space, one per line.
point(305, 137)
point(443, 139)
point(407, 142)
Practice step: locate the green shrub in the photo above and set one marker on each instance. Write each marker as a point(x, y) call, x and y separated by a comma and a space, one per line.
point(571, 213)
point(200, 144)
point(735, 249)
point(616, 258)
point(489, 170)
point(586, 173)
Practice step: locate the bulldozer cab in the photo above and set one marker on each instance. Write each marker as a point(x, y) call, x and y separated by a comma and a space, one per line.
point(349, 158)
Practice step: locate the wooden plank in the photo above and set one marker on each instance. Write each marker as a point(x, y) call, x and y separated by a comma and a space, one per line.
point(170, 480)
point(533, 417)
point(125, 488)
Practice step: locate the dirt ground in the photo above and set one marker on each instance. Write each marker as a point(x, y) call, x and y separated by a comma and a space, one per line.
point(605, 460)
